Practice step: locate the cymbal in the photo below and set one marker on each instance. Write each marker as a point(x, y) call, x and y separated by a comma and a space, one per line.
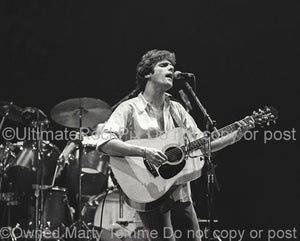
point(11, 111)
point(93, 111)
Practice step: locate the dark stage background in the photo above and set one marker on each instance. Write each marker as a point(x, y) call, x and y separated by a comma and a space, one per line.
point(243, 54)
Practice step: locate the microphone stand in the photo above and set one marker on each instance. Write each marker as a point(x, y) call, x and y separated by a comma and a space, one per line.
point(210, 172)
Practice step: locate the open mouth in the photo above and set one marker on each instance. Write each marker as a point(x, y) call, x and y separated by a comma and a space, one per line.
point(170, 76)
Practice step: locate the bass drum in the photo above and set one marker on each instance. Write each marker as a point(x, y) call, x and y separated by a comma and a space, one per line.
point(118, 218)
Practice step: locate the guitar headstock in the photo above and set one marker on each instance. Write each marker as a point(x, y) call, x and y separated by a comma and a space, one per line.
point(267, 115)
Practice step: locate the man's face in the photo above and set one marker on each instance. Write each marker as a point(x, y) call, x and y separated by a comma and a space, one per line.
point(163, 74)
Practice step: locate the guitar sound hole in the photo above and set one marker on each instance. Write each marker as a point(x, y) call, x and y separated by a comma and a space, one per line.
point(174, 154)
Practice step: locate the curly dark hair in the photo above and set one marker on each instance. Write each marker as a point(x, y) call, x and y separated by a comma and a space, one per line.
point(147, 63)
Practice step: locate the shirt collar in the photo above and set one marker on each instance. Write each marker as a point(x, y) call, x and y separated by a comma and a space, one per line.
point(143, 103)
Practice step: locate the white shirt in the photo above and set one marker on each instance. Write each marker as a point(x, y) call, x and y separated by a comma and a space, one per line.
point(135, 119)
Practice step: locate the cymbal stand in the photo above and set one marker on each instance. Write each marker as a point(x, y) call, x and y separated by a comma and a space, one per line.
point(2, 162)
point(33, 116)
point(79, 167)
point(4, 114)
point(39, 192)
point(4, 111)
point(79, 224)
point(211, 176)
point(3, 119)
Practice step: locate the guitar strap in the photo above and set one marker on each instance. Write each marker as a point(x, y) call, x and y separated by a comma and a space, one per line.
point(177, 121)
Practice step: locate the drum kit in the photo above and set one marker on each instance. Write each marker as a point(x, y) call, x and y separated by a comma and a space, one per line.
point(30, 198)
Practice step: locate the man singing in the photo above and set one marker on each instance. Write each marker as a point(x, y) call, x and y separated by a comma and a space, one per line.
point(148, 115)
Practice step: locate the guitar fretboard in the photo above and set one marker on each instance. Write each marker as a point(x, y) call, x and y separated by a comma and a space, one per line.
point(196, 144)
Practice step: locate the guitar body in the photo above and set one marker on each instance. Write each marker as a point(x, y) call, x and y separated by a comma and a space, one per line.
point(145, 185)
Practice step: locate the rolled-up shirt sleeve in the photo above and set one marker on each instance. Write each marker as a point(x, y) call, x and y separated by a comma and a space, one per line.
point(115, 126)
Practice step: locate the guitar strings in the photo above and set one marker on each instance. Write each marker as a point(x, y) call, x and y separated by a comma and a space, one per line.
point(178, 150)
point(175, 151)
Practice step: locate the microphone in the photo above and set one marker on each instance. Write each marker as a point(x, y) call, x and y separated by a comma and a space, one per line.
point(182, 75)
point(186, 100)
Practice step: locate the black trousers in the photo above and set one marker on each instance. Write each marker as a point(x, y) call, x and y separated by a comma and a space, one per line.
point(177, 222)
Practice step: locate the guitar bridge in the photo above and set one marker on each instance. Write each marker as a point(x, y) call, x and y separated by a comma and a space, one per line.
point(150, 168)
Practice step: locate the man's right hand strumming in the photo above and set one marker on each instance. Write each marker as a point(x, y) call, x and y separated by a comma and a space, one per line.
point(155, 156)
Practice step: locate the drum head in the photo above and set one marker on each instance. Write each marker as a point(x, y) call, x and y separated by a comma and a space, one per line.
point(118, 217)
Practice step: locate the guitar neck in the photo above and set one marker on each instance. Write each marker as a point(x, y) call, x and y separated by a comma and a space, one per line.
point(196, 144)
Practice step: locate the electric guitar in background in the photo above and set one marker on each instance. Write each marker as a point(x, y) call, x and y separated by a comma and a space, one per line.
point(144, 185)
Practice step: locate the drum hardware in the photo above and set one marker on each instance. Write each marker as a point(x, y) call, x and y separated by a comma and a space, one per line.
point(4, 112)
point(9, 201)
point(79, 113)
point(95, 200)
point(80, 223)
point(39, 191)
point(7, 156)
point(7, 198)
point(29, 162)
point(11, 111)
point(59, 168)
point(33, 116)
